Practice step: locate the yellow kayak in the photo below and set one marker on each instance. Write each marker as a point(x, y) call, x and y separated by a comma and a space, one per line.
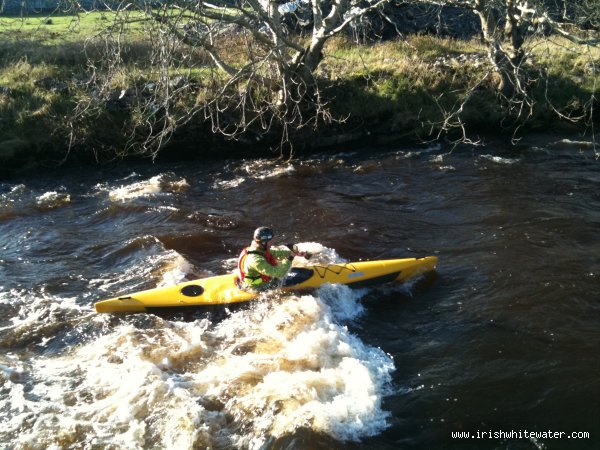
point(223, 289)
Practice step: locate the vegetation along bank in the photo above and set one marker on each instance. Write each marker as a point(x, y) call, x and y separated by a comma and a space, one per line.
point(234, 78)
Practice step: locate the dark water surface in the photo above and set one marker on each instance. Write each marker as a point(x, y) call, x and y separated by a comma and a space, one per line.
point(505, 338)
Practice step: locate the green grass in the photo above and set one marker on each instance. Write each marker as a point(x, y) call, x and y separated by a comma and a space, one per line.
point(404, 83)
point(397, 83)
point(52, 28)
point(398, 86)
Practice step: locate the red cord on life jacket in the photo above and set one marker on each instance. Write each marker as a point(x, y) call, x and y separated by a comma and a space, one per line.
point(267, 255)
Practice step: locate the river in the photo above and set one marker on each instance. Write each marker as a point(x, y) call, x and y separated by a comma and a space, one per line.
point(502, 342)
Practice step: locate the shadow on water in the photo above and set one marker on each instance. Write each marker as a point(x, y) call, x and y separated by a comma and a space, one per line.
point(213, 313)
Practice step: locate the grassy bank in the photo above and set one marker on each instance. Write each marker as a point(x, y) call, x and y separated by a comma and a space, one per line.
point(408, 84)
point(390, 89)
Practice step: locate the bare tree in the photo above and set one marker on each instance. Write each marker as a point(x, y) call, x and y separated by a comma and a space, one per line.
point(249, 73)
point(507, 25)
point(241, 68)
point(582, 13)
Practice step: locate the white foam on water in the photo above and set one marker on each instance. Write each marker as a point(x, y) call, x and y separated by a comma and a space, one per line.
point(20, 199)
point(53, 199)
point(573, 143)
point(36, 307)
point(18, 188)
point(292, 364)
point(138, 189)
point(407, 154)
point(176, 270)
point(164, 208)
point(229, 264)
point(258, 170)
point(500, 160)
point(13, 194)
point(349, 308)
point(228, 184)
point(7, 296)
point(106, 394)
point(39, 317)
point(284, 363)
point(438, 160)
point(11, 369)
point(157, 184)
point(319, 253)
point(263, 169)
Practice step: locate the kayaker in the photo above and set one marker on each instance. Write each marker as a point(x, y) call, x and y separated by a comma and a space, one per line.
point(259, 266)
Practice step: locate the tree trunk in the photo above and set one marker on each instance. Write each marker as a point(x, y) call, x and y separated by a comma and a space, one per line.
point(299, 80)
point(516, 29)
point(493, 34)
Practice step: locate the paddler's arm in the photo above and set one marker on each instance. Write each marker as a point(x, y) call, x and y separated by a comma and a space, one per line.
point(281, 253)
point(289, 253)
point(262, 266)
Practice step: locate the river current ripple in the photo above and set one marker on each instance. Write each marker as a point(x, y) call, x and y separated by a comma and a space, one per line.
point(504, 337)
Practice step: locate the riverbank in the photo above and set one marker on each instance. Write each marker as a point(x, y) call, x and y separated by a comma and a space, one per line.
point(403, 90)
